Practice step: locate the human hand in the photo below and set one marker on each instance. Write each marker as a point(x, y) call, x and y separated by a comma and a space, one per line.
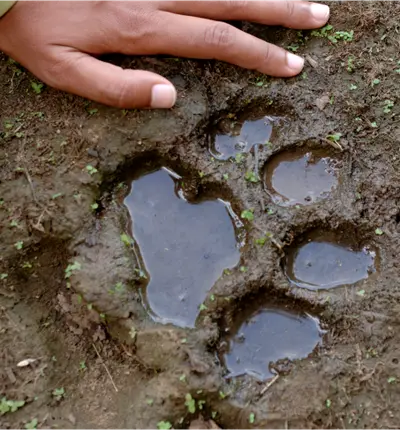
point(57, 41)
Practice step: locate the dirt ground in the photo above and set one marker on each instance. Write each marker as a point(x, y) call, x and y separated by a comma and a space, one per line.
point(99, 359)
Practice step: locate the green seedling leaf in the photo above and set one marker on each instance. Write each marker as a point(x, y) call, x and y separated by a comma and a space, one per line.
point(150, 402)
point(10, 405)
point(91, 170)
point(190, 403)
point(247, 214)
point(32, 424)
point(128, 241)
point(59, 393)
point(203, 307)
point(252, 177)
point(19, 245)
point(391, 380)
point(71, 268)
point(252, 418)
point(334, 137)
point(328, 403)
point(37, 87)
point(378, 231)
point(164, 425)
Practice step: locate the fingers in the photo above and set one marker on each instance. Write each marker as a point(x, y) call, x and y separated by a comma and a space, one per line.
point(105, 83)
point(292, 14)
point(206, 39)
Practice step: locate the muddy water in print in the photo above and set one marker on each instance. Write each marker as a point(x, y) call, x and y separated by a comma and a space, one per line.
point(300, 177)
point(241, 138)
point(323, 261)
point(185, 247)
point(267, 335)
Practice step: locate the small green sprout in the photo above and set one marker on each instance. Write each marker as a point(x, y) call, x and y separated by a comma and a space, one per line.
point(128, 241)
point(334, 137)
point(164, 425)
point(243, 269)
point(27, 265)
point(182, 378)
point(13, 223)
point(353, 87)
point(92, 111)
point(37, 87)
point(82, 366)
point(261, 241)
point(293, 47)
point(391, 380)
point(374, 124)
point(350, 65)
point(58, 393)
point(10, 405)
point(133, 333)
point(247, 214)
point(141, 273)
point(388, 106)
point(378, 231)
point(239, 157)
point(94, 206)
point(361, 293)
point(3, 276)
point(19, 245)
point(252, 418)
point(222, 395)
point(91, 170)
point(31, 424)
point(56, 196)
point(201, 404)
point(184, 340)
point(212, 297)
point(328, 403)
point(376, 82)
point(225, 176)
point(203, 307)
point(344, 35)
point(201, 174)
point(251, 177)
point(190, 403)
point(150, 402)
point(71, 268)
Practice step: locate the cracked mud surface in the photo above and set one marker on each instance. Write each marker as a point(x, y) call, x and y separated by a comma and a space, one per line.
point(75, 273)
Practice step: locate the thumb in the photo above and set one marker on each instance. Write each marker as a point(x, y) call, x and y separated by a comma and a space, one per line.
point(111, 85)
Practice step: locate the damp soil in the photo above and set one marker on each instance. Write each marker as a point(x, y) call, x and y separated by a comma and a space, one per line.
point(73, 296)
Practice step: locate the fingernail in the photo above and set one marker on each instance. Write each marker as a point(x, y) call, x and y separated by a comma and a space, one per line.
point(294, 62)
point(320, 12)
point(163, 96)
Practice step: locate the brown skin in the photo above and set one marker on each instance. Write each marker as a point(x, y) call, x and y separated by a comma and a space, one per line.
point(57, 41)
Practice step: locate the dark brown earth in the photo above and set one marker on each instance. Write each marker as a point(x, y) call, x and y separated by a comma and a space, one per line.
point(117, 367)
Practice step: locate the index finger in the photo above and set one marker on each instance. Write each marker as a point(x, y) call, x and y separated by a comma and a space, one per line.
point(291, 14)
point(207, 39)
